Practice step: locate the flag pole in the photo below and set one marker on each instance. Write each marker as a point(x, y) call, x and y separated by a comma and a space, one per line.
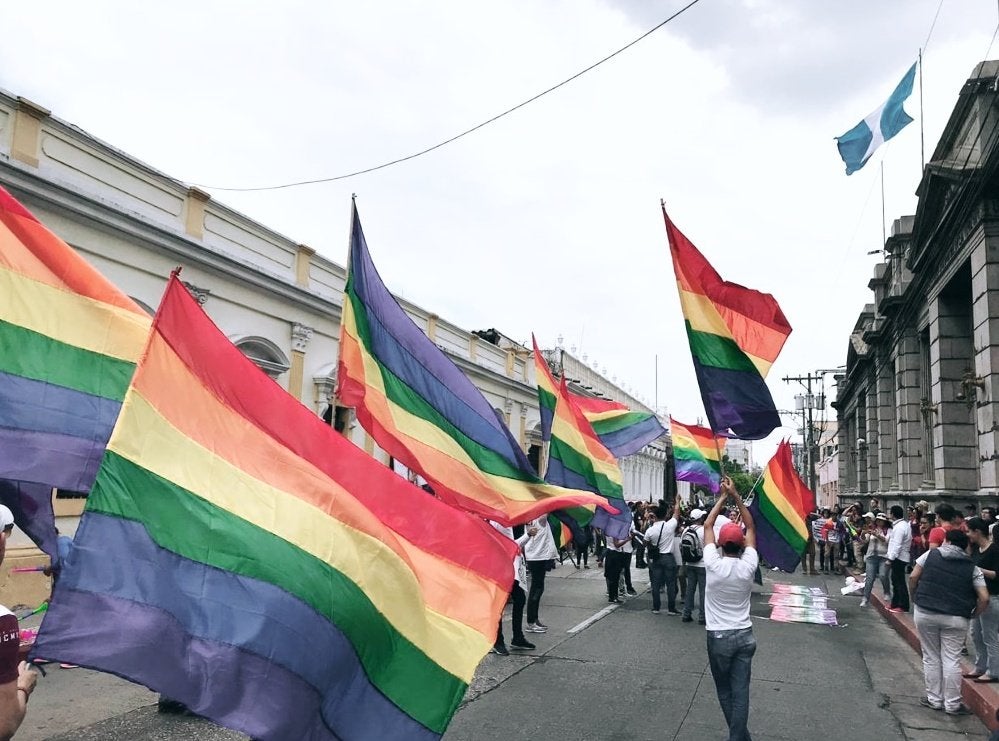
point(922, 138)
point(884, 236)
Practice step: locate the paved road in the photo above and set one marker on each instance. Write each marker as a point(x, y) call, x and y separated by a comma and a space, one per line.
point(629, 675)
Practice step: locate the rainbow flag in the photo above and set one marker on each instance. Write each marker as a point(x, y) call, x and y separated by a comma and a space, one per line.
point(576, 457)
point(735, 335)
point(622, 431)
point(421, 409)
point(561, 531)
point(240, 556)
point(696, 454)
point(68, 344)
point(780, 507)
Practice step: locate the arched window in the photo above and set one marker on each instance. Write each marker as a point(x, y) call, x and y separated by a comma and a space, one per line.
point(265, 355)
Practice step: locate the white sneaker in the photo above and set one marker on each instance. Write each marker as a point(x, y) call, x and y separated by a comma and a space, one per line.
point(863, 602)
point(533, 628)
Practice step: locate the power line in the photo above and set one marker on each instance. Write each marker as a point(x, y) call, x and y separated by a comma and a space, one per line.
point(475, 128)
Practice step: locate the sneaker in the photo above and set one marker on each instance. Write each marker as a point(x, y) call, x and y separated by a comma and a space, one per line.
point(541, 625)
point(522, 644)
point(895, 609)
point(672, 612)
point(632, 592)
point(655, 612)
point(927, 704)
point(863, 602)
point(614, 600)
point(535, 628)
point(500, 649)
point(961, 709)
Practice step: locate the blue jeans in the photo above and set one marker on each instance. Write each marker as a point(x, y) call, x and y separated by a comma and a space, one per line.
point(985, 633)
point(876, 566)
point(730, 653)
point(696, 577)
point(662, 572)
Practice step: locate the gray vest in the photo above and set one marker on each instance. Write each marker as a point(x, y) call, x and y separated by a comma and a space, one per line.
point(945, 586)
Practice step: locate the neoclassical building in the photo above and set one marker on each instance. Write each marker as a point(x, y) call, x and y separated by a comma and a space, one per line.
point(277, 300)
point(917, 407)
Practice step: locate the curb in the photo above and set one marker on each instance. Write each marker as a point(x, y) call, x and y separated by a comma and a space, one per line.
point(982, 699)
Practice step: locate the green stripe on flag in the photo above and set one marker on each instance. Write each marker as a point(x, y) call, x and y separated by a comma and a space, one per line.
point(718, 352)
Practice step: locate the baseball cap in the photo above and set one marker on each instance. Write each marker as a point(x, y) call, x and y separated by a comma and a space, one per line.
point(731, 532)
point(696, 514)
point(6, 517)
point(869, 514)
point(881, 516)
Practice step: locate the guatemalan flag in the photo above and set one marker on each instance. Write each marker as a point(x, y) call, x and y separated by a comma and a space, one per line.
point(858, 144)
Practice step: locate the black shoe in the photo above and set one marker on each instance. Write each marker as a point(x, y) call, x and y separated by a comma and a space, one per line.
point(522, 644)
point(961, 709)
point(500, 649)
point(927, 704)
point(672, 612)
point(701, 622)
point(632, 592)
point(614, 600)
point(687, 619)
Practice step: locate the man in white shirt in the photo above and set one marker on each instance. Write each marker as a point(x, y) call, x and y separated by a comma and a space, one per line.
point(696, 577)
point(540, 553)
point(899, 543)
point(659, 540)
point(730, 567)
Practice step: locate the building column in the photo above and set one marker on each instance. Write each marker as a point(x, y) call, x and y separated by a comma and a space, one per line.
point(303, 265)
point(524, 408)
point(909, 423)
point(300, 336)
point(955, 449)
point(887, 451)
point(26, 143)
point(873, 416)
point(194, 212)
point(985, 318)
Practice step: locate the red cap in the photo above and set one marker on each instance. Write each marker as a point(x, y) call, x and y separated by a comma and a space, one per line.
point(731, 532)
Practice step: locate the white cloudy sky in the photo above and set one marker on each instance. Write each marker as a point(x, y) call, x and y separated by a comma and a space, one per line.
point(549, 219)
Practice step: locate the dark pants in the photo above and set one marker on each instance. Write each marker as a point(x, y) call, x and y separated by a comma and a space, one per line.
point(696, 580)
point(626, 570)
point(662, 572)
point(730, 654)
point(582, 554)
point(519, 599)
point(613, 564)
point(538, 571)
point(899, 589)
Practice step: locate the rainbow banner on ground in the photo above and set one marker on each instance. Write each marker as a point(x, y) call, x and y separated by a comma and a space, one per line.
point(576, 457)
point(696, 452)
point(780, 506)
point(420, 408)
point(240, 556)
point(735, 335)
point(622, 431)
point(68, 344)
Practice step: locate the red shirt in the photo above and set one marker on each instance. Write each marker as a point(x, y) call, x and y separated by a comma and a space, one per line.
point(939, 534)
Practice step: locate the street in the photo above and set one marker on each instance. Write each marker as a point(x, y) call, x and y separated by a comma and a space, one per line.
point(629, 675)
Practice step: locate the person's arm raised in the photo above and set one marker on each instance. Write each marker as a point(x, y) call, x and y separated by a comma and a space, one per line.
point(744, 513)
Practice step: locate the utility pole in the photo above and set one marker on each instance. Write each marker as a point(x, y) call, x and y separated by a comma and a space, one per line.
point(806, 405)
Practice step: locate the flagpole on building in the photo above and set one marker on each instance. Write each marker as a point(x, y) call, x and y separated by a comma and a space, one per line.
point(884, 236)
point(922, 138)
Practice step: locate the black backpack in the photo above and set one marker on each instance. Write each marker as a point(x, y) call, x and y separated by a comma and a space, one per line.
point(690, 547)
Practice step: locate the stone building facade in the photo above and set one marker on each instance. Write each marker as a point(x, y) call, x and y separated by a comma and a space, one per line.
point(917, 407)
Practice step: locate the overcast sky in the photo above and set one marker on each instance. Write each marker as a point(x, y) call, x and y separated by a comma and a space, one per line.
point(548, 220)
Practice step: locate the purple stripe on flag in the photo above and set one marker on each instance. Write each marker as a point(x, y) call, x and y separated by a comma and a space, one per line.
point(697, 472)
point(38, 406)
point(32, 508)
point(216, 608)
point(738, 401)
point(770, 544)
point(60, 461)
point(614, 526)
point(629, 440)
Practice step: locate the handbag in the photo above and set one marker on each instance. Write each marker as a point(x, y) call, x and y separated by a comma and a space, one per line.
point(652, 552)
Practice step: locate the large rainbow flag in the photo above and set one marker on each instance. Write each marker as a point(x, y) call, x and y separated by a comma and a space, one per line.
point(576, 457)
point(240, 556)
point(696, 454)
point(420, 408)
point(622, 431)
point(735, 335)
point(780, 507)
point(68, 344)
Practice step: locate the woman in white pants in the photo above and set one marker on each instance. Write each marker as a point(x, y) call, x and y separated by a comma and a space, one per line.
point(948, 590)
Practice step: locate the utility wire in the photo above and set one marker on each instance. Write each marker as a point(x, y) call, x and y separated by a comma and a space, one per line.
point(932, 26)
point(475, 128)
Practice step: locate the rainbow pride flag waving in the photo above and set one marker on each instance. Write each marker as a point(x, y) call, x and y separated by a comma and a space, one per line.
point(419, 407)
point(696, 454)
point(780, 506)
point(69, 341)
point(238, 555)
point(622, 431)
point(735, 335)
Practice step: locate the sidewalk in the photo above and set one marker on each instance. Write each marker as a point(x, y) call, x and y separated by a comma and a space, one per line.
point(982, 699)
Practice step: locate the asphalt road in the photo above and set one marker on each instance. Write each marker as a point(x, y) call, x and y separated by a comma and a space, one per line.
point(626, 675)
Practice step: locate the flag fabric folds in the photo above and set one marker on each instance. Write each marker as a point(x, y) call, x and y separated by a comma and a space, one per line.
point(420, 408)
point(68, 344)
point(622, 431)
point(858, 144)
point(577, 459)
point(31, 505)
point(735, 335)
point(696, 454)
point(780, 506)
point(240, 556)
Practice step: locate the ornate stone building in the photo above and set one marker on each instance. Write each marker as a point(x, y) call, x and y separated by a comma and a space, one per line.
point(917, 407)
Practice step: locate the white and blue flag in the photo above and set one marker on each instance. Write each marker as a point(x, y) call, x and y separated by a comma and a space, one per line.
point(858, 144)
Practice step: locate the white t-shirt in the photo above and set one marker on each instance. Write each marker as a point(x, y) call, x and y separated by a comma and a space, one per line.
point(662, 534)
point(720, 522)
point(728, 585)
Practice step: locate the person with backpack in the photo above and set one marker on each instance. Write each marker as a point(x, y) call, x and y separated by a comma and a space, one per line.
point(692, 553)
point(659, 553)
